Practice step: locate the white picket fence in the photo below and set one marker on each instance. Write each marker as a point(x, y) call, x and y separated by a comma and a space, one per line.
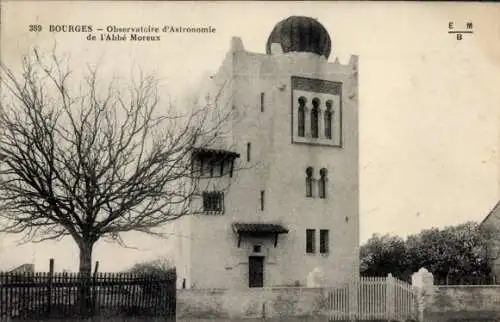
point(372, 299)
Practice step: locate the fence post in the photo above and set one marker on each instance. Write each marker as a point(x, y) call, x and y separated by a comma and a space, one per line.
point(352, 293)
point(390, 298)
point(49, 285)
point(93, 288)
point(424, 281)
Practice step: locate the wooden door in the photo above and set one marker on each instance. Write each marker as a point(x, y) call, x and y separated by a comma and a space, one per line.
point(256, 271)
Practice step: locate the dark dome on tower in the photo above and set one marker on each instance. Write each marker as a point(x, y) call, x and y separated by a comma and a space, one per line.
point(300, 34)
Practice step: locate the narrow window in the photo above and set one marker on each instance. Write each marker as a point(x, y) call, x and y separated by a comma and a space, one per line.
point(328, 120)
point(322, 183)
point(249, 146)
point(262, 194)
point(310, 240)
point(309, 181)
point(302, 116)
point(262, 102)
point(213, 201)
point(256, 248)
point(323, 241)
point(315, 118)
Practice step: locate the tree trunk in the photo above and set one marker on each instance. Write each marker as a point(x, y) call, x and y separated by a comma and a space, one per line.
point(84, 294)
point(86, 248)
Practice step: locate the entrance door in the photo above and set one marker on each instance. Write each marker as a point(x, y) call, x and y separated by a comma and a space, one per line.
point(256, 271)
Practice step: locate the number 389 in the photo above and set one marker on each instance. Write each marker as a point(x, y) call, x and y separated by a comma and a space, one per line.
point(35, 28)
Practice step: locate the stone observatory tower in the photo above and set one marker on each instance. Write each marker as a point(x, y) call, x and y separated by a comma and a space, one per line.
point(293, 208)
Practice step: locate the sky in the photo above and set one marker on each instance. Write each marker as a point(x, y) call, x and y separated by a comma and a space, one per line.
point(429, 103)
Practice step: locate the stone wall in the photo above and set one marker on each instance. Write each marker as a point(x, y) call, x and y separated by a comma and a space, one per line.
point(471, 303)
point(249, 303)
point(462, 303)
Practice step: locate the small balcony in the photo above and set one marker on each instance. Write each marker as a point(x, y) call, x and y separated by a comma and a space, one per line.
point(212, 163)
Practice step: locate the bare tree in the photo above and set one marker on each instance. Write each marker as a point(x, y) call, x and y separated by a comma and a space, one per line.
point(93, 161)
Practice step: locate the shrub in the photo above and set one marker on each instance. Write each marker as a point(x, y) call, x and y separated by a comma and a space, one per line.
point(158, 269)
point(154, 268)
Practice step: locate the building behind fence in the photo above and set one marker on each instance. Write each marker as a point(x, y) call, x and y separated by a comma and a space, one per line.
point(36, 296)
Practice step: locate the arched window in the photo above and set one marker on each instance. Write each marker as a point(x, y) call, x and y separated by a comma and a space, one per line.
point(302, 116)
point(328, 120)
point(322, 182)
point(309, 181)
point(315, 118)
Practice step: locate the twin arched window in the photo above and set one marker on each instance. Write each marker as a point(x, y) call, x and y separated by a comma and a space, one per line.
point(315, 118)
point(323, 173)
